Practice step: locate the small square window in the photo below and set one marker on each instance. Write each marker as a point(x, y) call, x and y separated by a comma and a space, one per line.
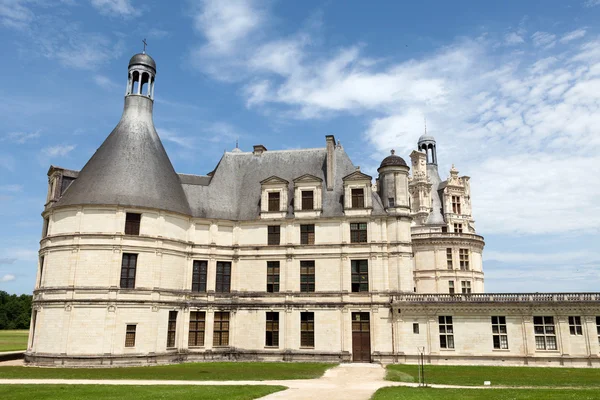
point(132, 223)
point(575, 326)
point(416, 328)
point(308, 200)
point(358, 198)
point(274, 201)
point(307, 234)
point(274, 235)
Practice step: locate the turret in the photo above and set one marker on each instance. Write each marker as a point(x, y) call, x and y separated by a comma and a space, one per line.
point(393, 184)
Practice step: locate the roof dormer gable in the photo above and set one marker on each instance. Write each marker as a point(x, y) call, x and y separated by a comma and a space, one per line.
point(274, 180)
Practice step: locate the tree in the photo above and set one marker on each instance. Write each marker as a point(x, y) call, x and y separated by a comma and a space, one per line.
point(15, 311)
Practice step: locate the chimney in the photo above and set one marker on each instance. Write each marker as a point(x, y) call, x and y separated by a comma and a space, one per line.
point(259, 149)
point(330, 140)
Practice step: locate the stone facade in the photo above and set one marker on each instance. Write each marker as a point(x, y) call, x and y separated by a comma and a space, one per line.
point(275, 255)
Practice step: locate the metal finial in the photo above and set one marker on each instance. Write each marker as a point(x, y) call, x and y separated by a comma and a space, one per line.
point(145, 44)
point(425, 118)
point(236, 144)
point(393, 151)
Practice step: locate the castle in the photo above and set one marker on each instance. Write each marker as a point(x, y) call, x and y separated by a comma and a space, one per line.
point(291, 255)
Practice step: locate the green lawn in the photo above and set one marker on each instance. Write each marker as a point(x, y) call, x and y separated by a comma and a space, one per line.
point(499, 376)
point(107, 392)
point(217, 371)
point(406, 393)
point(13, 340)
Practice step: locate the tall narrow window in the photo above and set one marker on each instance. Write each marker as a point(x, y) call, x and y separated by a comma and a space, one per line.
point(416, 328)
point(449, 259)
point(307, 234)
point(221, 329)
point(463, 255)
point(360, 275)
point(272, 329)
point(308, 202)
point(197, 328)
point(575, 326)
point(598, 328)
point(274, 201)
point(132, 223)
point(307, 329)
point(358, 198)
point(358, 232)
point(33, 325)
point(41, 271)
point(499, 334)
point(128, 267)
point(545, 334)
point(272, 276)
point(223, 282)
point(451, 287)
point(458, 228)
point(130, 336)
point(466, 287)
point(172, 329)
point(307, 276)
point(199, 273)
point(456, 204)
point(274, 235)
point(446, 332)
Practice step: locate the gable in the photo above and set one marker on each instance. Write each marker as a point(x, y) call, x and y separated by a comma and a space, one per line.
point(274, 180)
point(357, 176)
point(307, 178)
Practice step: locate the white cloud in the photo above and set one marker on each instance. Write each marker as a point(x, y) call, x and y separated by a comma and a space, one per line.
point(7, 278)
point(120, 8)
point(21, 137)
point(105, 82)
point(591, 3)
point(543, 39)
point(576, 34)
point(7, 161)
point(14, 14)
point(11, 188)
point(173, 137)
point(513, 38)
point(58, 150)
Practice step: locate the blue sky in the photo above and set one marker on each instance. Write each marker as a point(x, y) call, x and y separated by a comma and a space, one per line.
point(511, 91)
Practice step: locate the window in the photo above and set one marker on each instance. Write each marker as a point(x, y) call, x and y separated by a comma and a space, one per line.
point(358, 198)
point(307, 234)
point(358, 232)
point(307, 276)
point(463, 255)
point(499, 335)
point(458, 228)
point(199, 272)
point(360, 275)
point(41, 270)
point(221, 329)
point(465, 286)
point(274, 201)
point(132, 223)
point(308, 200)
point(197, 327)
point(272, 276)
point(172, 329)
point(274, 236)
point(128, 267)
point(416, 328)
point(223, 277)
point(545, 335)
point(451, 287)
point(444, 229)
point(130, 336)
point(598, 328)
point(45, 228)
point(456, 204)
point(272, 329)
point(449, 259)
point(575, 326)
point(446, 332)
point(307, 329)
point(391, 201)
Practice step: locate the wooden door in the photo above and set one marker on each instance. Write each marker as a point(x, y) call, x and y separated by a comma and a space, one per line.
point(361, 337)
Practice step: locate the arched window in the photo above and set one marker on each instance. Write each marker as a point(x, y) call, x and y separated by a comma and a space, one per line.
point(135, 76)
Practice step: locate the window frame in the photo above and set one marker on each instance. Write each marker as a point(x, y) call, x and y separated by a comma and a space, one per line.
point(465, 287)
point(307, 202)
point(463, 256)
point(223, 277)
point(458, 227)
point(172, 330)
point(449, 260)
point(307, 234)
point(128, 279)
point(359, 276)
point(307, 276)
point(199, 276)
point(273, 235)
point(499, 332)
point(357, 234)
point(544, 330)
point(307, 329)
point(272, 329)
point(415, 328)
point(130, 335)
point(221, 327)
point(456, 205)
point(446, 332)
point(451, 288)
point(598, 328)
point(197, 329)
point(132, 223)
point(575, 326)
point(358, 199)
point(274, 201)
point(273, 278)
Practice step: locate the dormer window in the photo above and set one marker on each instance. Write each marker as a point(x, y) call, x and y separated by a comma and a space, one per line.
point(274, 201)
point(308, 200)
point(358, 198)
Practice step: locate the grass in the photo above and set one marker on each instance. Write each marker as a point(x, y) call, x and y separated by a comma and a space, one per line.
point(499, 376)
point(13, 340)
point(406, 393)
point(108, 392)
point(212, 371)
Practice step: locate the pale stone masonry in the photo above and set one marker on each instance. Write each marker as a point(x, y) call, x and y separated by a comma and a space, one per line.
point(277, 255)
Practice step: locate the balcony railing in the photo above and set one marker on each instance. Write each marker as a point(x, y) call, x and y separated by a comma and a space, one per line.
point(498, 298)
point(433, 235)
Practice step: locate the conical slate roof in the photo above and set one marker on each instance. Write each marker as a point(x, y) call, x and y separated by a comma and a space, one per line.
point(131, 167)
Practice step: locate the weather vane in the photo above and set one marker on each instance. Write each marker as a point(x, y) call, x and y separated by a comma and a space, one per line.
point(145, 44)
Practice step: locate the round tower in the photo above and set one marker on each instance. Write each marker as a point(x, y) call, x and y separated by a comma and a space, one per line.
point(427, 144)
point(141, 75)
point(393, 183)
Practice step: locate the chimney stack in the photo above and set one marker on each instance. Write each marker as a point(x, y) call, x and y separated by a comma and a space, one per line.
point(330, 140)
point(259, 149)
